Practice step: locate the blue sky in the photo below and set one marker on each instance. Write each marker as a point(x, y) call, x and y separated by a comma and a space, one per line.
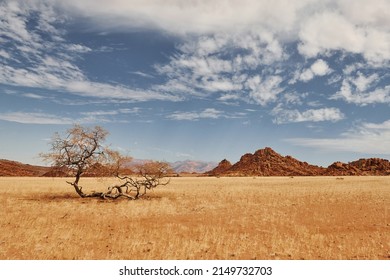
point(200, 80)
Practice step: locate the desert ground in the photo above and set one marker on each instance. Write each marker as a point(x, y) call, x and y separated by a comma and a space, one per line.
point(199, 218)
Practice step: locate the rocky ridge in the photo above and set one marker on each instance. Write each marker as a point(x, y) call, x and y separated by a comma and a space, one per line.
point(361, 167)
point(14, 168)
point(267, 162)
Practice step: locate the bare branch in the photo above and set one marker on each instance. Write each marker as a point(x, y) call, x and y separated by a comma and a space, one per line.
point(81, 153)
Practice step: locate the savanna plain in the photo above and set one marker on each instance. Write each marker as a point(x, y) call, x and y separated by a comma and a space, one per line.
point(199, 218)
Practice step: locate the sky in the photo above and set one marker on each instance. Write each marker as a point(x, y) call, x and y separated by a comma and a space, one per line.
point(198, 80)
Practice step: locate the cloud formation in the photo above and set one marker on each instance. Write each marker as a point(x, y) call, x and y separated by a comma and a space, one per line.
point(318, 68)
point(357, 26)
point(232, 66)
point(196, 17)
point(370, 138)
point(363, 89)
point(209, 113)
point(311, 115)
point(34, 118)
point(48, 61)
point(246, 51)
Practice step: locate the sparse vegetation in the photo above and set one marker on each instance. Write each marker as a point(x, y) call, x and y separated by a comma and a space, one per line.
point(82, 151)
point(199, 218)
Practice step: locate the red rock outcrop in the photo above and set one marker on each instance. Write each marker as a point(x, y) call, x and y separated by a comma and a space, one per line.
point(267, 162)
point(370, 166)
point(222, 167)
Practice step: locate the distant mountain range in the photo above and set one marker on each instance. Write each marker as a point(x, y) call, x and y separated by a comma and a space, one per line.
point(186, 166)
point(14, 168)
point(192, 166)
point(264, 162)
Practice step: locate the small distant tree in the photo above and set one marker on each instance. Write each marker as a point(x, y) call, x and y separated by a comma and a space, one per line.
point(82, 151)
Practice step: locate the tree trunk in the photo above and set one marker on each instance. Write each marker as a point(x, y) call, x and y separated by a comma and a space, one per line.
point(75, 184)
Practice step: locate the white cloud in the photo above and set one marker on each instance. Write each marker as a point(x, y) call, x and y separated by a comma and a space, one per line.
point(263, 91)
point(78, 48)
point(202, 66)
point(294, 98)
point(306, 75)
point(363, 90)
point(100, 113)
point(229, 97)
point(363, 82)
point(205, 45)
point(261, 47)
point(33, 96)
point(220, 85)
point(196, 75)
point(364, 12)
point(142, 74)
point(330, 31)
point(34, 118)
point(318, 68)
point(367, 138)
point(12, 25)
point(196, 17)
point(82, 117)
point(5, 54)
point(134, 110)
point(209, 113)
point(311, 115)
point(341, 29)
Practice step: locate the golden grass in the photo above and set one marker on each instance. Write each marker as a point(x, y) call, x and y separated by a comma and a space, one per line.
point(199, 218)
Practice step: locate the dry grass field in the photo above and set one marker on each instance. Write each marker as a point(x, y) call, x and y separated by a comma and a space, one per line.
point(199, 218)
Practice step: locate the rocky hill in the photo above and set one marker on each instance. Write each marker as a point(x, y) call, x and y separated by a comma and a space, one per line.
point(14, 168)
point(267, 162)
point(222, 168)
point(370, 166)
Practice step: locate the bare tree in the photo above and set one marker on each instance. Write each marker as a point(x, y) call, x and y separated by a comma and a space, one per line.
point(81, 151)
point(150, 175)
